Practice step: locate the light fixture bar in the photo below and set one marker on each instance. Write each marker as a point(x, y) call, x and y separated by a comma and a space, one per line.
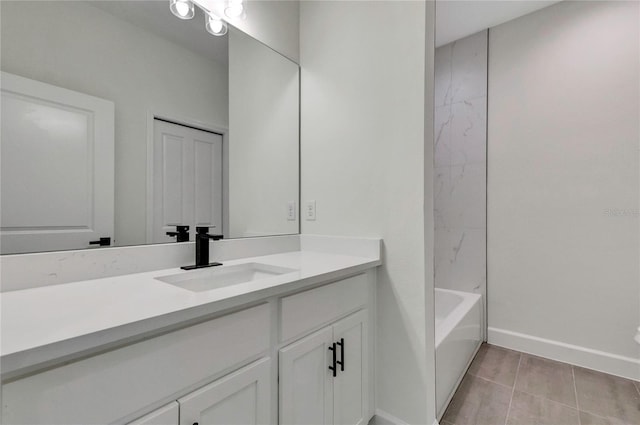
point(215, 25)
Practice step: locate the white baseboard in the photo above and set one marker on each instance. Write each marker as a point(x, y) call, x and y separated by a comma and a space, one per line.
point(602, 361)
point(388, 419)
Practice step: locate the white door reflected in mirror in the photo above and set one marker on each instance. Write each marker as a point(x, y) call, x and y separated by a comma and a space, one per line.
point(187, 180)
point(57, 167)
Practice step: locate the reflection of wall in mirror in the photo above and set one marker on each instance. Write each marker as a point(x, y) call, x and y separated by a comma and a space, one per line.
point(274, 22)
point(263, 141)
point(83, 48)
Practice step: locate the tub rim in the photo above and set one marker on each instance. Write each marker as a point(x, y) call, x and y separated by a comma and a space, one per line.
point(449, 323)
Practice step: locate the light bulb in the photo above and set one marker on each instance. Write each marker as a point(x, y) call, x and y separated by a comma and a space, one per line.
point(183, 9)
point(234, 9)
point(215, 25)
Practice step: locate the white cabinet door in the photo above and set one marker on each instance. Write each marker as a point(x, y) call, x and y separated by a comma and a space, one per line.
point(166, 415)
point(309, 393)
point(187, 180)
point(350, 391)
point(306, 387)
point(241, 398)
point(57, 172)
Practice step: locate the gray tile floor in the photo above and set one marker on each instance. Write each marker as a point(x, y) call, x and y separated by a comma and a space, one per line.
point(507, 387)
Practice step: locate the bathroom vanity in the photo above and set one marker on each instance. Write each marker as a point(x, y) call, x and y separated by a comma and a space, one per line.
point(282, 338)
point(167, 133)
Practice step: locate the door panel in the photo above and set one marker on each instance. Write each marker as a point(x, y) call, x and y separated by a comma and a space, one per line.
point(187, 180)
point(172, 184)
point(350, 384)
point(57, 178)
point(241, 398)
point(208, 183)
point(306, 387)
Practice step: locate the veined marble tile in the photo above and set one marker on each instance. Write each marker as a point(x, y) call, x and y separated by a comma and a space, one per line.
point(442, 196)
point(469, 259)
point(443, 75)
point(469, 65)
point(443, 259)
point(467, 204)
point(468, 131)
point(460, 161)
point(442, 137)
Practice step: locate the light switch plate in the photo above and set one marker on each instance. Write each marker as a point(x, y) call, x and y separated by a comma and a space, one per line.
point(291, 210)
point(310, 210)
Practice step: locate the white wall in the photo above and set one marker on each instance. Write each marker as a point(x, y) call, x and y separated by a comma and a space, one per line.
point(563, 180)
point(79, 47)
point(264, 93)
point(364, 162)
point(461, 164)
point(274, 22)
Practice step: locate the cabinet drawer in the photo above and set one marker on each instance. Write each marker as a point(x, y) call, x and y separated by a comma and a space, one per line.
point(167, 415)
point(110, 386)
point(242, 397)
point(302, 312)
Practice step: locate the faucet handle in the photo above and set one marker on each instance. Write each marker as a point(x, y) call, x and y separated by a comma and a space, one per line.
point(181, 234)
point(203, 229)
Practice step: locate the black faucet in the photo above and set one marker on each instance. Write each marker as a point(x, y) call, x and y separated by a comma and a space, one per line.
point(182, 234)
point(202, 249)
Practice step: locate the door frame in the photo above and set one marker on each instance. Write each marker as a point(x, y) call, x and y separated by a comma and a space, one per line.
point(152, 115)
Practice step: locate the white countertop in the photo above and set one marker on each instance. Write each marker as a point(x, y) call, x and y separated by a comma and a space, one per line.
point(54, 323)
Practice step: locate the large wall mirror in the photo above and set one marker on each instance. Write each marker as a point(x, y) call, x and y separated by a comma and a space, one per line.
point(121, 121)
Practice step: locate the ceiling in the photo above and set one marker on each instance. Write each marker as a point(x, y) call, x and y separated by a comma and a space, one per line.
point(455, 19)
point(458, 19)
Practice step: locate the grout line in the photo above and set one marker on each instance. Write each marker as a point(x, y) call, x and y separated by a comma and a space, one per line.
point(548, 399)
point(490, 381)
point(506, 419)
point(575, 392)
point(593, 414)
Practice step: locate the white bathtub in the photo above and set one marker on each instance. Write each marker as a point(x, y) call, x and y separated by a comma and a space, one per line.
point(458, 337)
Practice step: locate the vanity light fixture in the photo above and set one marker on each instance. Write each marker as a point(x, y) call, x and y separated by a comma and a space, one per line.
point(234, 9)
point(215, 25)
point(185, 9)
point(182, 9)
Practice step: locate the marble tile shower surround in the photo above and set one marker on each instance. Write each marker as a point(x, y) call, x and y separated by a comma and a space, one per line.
point(460, 164)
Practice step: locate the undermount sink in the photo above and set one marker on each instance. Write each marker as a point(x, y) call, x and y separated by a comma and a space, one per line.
point(221, 276)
